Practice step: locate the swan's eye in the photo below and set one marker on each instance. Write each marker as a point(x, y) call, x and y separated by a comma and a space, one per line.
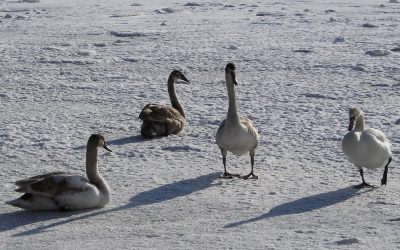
point(159, 123)
point(353, 118)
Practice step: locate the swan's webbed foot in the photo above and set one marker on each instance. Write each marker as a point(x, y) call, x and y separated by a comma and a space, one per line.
point(249, 176)
point(152, 129)
point(227, 175)
point(363, 185)
point(148, 134)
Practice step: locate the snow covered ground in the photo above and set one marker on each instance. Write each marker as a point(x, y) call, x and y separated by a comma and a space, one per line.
point(72, 68)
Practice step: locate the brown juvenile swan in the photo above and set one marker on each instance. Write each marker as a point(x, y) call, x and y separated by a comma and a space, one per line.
point(236, 134)
point(160, 120)
point(66, 191)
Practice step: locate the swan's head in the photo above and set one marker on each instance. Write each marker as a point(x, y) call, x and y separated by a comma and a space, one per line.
point(354, 114)
point(151, 129)
point(97, 140)
point(230, 71)
point(178, 75)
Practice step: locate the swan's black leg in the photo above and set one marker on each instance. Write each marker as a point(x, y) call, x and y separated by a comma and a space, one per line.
point(251, 175)
point(385, 172)
point(363, 184)
point(226, 175)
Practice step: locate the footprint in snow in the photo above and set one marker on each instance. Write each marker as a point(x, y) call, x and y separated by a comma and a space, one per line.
point(377, 52)
point(348, 241)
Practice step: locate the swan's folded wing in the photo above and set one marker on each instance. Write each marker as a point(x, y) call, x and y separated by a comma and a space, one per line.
point(147, 110)
point(379, 135)
point(376, 141)
point(57, 185)
point(36, 178)
point(154, 112)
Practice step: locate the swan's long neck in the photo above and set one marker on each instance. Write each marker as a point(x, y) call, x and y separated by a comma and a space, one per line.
point(360, 123)
point(232, 109)
point(173, 97)
point(92, 170)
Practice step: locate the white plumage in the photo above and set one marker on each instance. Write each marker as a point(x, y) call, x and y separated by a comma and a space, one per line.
point(366, 147)
point(236, 134)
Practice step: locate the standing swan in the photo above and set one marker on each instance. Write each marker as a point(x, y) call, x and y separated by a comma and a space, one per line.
point(236, 133)
point(66, 191)
point(366, 147)
point(159, 120)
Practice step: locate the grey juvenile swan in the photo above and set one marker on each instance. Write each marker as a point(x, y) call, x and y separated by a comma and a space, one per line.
point(160, 120)
point(366, 147)
point(66, 191)
point(236, 134)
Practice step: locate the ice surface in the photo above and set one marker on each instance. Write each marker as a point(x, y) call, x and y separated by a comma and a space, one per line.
point(72, 68)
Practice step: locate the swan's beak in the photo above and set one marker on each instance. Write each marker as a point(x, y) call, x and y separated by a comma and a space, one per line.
point(351, 124)
point(233, 76)
point(184, 78)
point(106, 148)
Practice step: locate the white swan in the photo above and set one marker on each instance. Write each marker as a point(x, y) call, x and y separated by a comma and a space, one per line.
point(66, 191)
point(366, 147)
point(236, 134)
point(160, 120)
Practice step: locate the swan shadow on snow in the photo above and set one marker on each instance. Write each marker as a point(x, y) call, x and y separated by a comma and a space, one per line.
point(173, 190)
point(12, 220)
point(156, 195)
point(126, 140)
point(305, 204)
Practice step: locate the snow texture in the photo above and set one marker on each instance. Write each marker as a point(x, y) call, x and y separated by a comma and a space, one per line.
point(69, 69)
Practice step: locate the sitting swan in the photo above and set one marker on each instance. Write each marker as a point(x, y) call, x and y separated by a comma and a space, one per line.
point(366, 147)
point(66, 191)
point(159, 120)
point(236, 134)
